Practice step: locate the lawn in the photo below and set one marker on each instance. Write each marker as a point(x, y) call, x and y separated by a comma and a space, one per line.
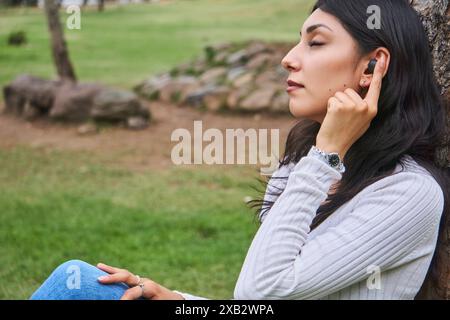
point(123, 45)
point(186, 228)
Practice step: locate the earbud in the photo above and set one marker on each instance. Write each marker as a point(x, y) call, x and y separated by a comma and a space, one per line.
point(371, 66)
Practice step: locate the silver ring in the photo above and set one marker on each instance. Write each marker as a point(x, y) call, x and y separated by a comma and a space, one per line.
point(139, 279)
point(141, 285)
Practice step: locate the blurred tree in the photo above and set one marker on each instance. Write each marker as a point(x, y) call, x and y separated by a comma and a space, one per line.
point(59, 48)
point(435, 15)
point(101, 5)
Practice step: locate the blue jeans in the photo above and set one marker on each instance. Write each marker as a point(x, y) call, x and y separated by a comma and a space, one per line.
point(77, 280)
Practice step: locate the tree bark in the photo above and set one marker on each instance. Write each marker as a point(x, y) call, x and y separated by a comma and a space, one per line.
point(435, 16)
point(59, 48)
point(101, 5)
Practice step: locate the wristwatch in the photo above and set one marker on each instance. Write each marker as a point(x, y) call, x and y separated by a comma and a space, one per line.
point(330, 158)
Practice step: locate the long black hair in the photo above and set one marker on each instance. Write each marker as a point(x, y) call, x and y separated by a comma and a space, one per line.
point(411, 113)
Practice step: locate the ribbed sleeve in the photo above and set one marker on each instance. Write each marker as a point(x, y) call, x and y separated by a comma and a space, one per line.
point(391, 220)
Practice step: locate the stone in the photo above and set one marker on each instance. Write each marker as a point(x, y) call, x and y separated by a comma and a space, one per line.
point(175, 91)
point(150, 88)
point(237, 58)
point(268, 76)
point(117, 105)
point(30, 111)
point(213, 75)
point(196, 98)
point(235, 73)
point(259, 61)
point(25, 89)
point(137, 123)
point(280, 103)
point(243, 80)
point(73, 102)
point(216, 99)
point(237, 95)
point(258, 100)
point(87, 129)
point(240, 67)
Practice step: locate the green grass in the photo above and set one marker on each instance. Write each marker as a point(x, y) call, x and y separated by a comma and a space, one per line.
point(123, 45)
point(187, 228)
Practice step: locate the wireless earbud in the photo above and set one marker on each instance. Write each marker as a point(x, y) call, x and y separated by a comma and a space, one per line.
point(371, 66)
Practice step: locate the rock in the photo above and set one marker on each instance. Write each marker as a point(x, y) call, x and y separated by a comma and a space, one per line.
point(87, 129)
point(32, 97)
point(268, 76)
point(243, 56)
point(257, 47)
point(216, 99)
point(238, 58)
point(220, 58)
point(25, 89)
point(259, 61)
point(30, 112)
point(74, 102)
point(196, 98)
point(243, 80)
point(213, 76)
point(174, 91)
point(117, 105)
point(239, 67)
point(280, 103)
point(258, 100)
point(150, 88)
point(235, 73)
point(137, 123)
point(237, 95)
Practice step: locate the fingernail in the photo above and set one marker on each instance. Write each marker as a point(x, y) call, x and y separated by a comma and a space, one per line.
point(102, 278)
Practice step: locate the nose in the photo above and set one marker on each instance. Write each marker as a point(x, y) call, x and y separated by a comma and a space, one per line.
point(291, 62)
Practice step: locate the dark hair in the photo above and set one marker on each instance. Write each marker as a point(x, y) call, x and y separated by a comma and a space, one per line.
point(411, 113)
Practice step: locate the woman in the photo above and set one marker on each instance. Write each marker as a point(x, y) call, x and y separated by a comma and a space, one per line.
point(366, 98)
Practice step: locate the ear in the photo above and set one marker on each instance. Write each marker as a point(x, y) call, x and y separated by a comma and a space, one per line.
point(378, 54)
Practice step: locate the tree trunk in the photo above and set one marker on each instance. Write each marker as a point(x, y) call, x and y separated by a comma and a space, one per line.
point(435, 15)
point(59, 48)
point(101, 5)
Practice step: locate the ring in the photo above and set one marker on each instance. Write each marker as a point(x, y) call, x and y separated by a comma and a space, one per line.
point(139, 279)
point(141, 285)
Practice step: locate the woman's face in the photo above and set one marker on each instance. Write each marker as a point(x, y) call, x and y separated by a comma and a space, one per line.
point(325, 61)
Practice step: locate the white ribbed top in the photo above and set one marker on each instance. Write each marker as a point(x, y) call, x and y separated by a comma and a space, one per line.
point(378, 245)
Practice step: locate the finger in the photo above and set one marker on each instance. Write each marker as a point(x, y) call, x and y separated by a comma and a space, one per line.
point(345, 99)
point(333, 102)
point(132, 294)
point(125, 277)
point(107, 268)
point(373, 93)
point(356, 97)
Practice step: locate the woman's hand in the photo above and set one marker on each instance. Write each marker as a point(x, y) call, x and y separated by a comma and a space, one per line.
point(150, 289)
point(349, 116)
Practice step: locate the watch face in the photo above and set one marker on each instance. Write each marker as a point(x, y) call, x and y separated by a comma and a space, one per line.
point(333, 160)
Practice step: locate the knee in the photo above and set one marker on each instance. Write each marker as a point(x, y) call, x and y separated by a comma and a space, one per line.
point(72, 266)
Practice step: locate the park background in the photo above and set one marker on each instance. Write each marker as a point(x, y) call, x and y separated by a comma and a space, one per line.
point(106, 189)
point(114, 196)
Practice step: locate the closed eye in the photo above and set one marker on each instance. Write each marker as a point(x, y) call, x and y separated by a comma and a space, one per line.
point(315, 43)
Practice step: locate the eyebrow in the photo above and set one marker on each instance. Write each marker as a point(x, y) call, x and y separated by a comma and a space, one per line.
point(314, 27)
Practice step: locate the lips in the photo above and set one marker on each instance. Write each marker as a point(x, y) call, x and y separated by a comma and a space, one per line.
point(291, 83)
